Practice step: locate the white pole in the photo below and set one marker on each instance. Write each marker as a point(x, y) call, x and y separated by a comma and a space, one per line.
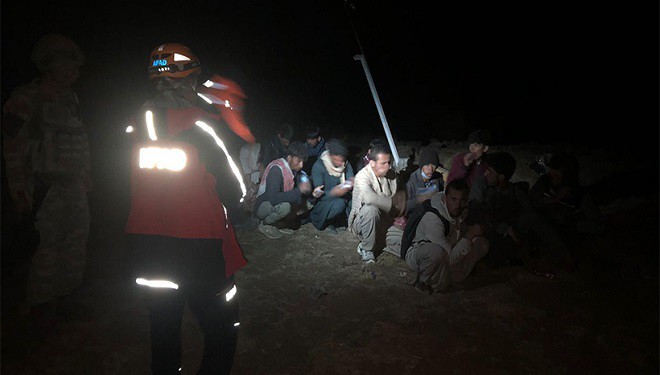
point(395, 153)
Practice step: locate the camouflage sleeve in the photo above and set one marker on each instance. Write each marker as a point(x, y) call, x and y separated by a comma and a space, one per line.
point(17, 111)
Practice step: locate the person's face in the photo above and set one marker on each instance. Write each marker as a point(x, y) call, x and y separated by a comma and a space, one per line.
point(456, 201)
point(477, 149)
point(556, 176)
point(492, 177)
point(65, 74)
point(295, 163)
point(428, 169)
point(312, 142)
point(381, 165)
point(337, 160)
point(285, 142)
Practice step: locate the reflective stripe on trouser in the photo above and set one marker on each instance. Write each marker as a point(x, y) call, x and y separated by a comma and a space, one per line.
point(59, 261)
point(271, 214)
point(216, 317)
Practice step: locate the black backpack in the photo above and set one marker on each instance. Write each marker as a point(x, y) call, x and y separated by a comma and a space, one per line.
point(413, 221)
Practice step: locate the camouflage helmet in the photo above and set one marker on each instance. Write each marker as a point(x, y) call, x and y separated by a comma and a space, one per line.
point(54, 50)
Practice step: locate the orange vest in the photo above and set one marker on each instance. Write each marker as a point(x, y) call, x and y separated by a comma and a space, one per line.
point(173, 195)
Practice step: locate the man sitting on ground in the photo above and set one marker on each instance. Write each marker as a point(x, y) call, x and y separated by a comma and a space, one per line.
point(315, 144)
point(504, 207)
point(443, 248)
point(470, 165)
point(334, 174)
point(422, 184)
point(276, 147)
point(425, 182)
point(376, 201)
point(278, 199)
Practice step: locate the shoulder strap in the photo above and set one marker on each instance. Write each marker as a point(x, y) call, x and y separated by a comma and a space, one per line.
point(413, 221)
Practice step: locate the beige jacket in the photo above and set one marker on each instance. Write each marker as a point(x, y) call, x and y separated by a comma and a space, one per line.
point(369, 189)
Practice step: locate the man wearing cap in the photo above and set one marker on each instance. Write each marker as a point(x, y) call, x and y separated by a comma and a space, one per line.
point(422, 184)
point(276, 147)
point(471, 164)
point(425, 181)
point(334, 174)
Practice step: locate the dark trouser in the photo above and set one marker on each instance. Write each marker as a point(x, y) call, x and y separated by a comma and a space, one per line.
point(197, 267)
point(325, 212)
point(216, 318)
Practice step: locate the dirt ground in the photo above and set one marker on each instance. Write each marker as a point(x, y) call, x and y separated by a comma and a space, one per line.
point(309, 306)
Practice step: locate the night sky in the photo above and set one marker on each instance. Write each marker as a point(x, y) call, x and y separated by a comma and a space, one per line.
point(529, 71)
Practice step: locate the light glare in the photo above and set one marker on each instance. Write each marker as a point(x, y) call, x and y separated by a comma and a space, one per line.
point(157, 283)
point(173, 159)
point(231, 293)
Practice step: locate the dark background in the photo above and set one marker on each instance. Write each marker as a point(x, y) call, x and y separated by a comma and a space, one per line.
point(529, 71)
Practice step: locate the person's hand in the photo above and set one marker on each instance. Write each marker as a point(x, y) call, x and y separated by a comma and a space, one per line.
point(564, 193)
point(305, 187)
point(398, 204)
point(318, 191)
point(514, 236)
point(475, 230)
point(468, 159)
point(400, 222)
point(422, 197)
point(341, 189)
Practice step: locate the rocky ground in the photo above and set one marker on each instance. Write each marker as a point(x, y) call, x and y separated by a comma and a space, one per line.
point(309, 306)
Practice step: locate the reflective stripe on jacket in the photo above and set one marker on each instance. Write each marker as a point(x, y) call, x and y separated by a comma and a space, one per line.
point(173, 194)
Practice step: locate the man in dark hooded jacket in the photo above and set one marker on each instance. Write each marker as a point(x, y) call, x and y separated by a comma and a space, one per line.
point(504, 207)
point(333, 173)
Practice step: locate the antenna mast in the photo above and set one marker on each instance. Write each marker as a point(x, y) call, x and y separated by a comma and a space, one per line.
point(399, 163)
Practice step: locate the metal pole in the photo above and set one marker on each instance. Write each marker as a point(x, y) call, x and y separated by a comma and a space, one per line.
point(395, 153)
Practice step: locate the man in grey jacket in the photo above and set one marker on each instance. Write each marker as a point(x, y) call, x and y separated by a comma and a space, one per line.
point(441, 257)
point(425, 181)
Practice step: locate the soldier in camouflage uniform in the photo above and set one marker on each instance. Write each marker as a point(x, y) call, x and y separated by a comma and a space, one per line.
point(50, 176)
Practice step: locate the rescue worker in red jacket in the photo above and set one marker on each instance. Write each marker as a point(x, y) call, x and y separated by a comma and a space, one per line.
point(182, 242)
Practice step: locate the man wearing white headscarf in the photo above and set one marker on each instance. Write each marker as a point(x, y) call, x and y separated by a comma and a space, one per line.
point(335, 175)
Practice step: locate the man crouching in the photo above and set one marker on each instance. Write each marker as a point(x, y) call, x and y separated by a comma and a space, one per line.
point(375, 201)
point(443, 248)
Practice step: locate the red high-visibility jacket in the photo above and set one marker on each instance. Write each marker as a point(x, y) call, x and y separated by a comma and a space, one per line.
point(174, 197)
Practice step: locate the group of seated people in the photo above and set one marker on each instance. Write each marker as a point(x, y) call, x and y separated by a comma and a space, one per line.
point(441, 226)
